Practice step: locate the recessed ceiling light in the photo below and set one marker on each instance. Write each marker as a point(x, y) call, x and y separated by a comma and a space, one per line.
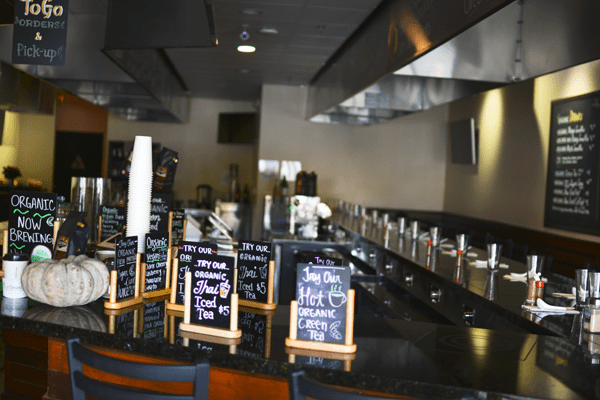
point(251, 11)
point(268, 31)
point(245, 71)
point(246, 49)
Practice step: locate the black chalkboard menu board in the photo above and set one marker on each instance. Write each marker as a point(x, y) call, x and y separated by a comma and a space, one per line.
point(125, 263)
point(321, 292)
point(188, 254)
point(157, 247)
point(320, 259)
point(31, 221)
point(159, 212)
point(573, 179)
point(253, 270)
point(254, 334)
point(113, 220)
point(212, 287)
point(40, 32)
point(177, 227)
point(154, 321)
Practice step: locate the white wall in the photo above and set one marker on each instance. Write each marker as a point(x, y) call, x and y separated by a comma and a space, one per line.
point(201, 159)
point(400, 163)
point(28, 143)
point(509, 183)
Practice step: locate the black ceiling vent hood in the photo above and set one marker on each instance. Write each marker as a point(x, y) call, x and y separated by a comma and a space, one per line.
point(143, 24)
point(136, 36)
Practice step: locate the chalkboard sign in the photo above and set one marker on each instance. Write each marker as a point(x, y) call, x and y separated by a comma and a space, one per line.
point(320, 259)
point(254, 335)
point(154, 321)
point(321, 294)
point(253, 270)
point(157, 247)
point(212, 286)
point(113, 220)
point(159, 212)
point(177, 227)
point(125, 324)
point(31, 221)
point(40, 32)
point(188, 255)
point(125, 263)
point(573, 180)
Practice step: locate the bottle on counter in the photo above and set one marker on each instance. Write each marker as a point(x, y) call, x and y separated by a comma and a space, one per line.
point(300, 182)
point(284, 187)
point(234, 192)
point(591, 312)
point(539, 290)
point(246, 194)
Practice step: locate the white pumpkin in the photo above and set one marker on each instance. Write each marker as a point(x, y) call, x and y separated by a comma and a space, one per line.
point(72, 281)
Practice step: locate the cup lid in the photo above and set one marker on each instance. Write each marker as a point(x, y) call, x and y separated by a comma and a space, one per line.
point(16, 257)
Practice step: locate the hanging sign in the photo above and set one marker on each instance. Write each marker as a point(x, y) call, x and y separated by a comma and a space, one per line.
point(40, 32)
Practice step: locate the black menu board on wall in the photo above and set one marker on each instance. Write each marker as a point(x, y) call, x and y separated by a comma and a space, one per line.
point(573, 179)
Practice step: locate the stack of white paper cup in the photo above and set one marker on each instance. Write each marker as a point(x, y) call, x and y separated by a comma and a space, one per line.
point(140, 190)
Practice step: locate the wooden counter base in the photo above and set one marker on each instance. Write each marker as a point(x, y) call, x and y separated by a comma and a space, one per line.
point(225, 384)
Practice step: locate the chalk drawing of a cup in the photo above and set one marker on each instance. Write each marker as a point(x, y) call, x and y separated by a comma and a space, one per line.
point(337, 298)
point(224, 289)
point(263, 272)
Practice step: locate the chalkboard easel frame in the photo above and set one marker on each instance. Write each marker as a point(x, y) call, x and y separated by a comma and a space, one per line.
point(159, 292)
point(269, 305)
point(231, 333)
point(172, 304)
point(112, 303)
point(348, 347)
point(112, 316)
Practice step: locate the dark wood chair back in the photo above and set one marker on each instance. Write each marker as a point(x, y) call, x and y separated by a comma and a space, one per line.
point(301, 387)
point(82, 384)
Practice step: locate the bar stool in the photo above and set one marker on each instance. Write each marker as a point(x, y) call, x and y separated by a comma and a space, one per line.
point(301, 387)
point(82, 384)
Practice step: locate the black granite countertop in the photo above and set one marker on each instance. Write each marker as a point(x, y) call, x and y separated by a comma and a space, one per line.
point(472, 280)
point(399, 357)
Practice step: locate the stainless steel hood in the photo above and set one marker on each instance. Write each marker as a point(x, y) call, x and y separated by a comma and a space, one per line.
point(22, 92)
point(406, 65)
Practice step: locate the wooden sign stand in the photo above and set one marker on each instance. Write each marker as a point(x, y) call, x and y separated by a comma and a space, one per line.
point(347, 347)
point(269, 305)
point(112, 303)
point(112, 315)
point(160, 292)
point(172, 304)
point(231, 333)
